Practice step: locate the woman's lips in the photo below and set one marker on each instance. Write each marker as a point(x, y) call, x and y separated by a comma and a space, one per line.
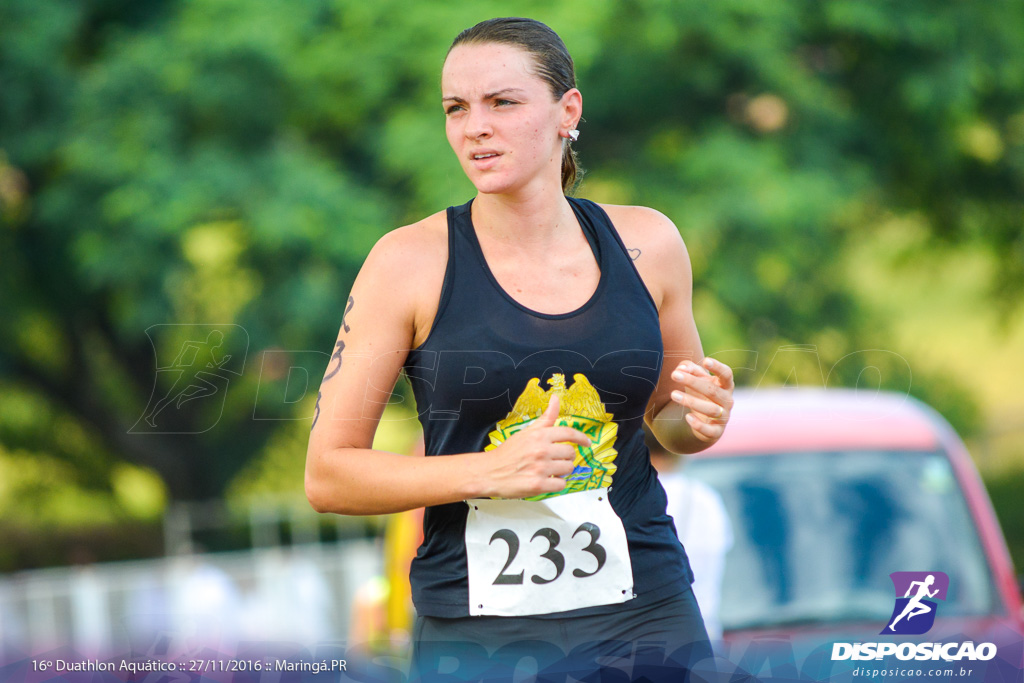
point(484, 159)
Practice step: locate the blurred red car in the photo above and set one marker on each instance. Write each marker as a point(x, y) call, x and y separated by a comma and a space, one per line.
point(830, 491)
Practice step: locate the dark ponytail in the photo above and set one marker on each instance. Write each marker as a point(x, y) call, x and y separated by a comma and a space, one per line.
point(571, 171)
point(554, 65)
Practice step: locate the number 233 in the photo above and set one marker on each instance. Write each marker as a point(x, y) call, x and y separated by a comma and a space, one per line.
point(552, 555)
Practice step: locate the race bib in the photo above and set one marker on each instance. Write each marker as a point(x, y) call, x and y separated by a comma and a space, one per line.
point(539, 557)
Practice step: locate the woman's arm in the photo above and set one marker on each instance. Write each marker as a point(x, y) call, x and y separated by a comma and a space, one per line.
point(393, 300)
point(691, 403)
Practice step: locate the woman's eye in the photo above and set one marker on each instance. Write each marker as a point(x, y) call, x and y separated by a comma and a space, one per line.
point(502, 103)
point(453, 108)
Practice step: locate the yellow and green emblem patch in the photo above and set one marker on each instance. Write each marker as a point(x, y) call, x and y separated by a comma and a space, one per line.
point(580, 407)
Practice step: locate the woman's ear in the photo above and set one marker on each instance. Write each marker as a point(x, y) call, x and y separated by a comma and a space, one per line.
point(572, 110)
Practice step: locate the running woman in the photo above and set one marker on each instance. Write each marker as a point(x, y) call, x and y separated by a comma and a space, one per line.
point(533, 328)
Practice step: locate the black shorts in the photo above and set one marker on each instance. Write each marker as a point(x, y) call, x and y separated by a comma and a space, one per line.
point(663, 641)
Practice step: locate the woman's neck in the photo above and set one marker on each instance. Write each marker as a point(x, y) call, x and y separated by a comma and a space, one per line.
point(526, 219)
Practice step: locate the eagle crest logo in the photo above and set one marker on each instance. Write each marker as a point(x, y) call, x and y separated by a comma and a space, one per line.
point(580, 407)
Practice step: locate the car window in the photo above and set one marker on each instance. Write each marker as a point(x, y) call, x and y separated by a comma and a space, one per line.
point(816, 535)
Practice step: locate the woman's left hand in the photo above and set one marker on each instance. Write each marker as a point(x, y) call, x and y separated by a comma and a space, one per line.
point(706, 391)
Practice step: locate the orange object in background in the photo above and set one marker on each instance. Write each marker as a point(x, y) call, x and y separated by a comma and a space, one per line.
point(382, 613)
point(402, 538)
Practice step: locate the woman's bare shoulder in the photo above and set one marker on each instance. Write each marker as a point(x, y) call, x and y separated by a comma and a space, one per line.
point(654, 245)
point(643, 225)
point(408, 263)
point(416, 244)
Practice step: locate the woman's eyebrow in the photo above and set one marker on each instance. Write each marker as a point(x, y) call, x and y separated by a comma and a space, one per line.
point(503, 91)
point(487, 96)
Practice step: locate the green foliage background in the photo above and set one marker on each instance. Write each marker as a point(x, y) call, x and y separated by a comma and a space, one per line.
point(232, 161)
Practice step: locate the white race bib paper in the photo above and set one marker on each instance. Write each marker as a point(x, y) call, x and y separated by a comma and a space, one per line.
point(552, 555)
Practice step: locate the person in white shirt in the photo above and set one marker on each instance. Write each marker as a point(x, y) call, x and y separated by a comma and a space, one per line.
point(703, 526)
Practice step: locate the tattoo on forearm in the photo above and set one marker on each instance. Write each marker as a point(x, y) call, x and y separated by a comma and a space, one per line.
point(339, 347)
point(316, 409)
point(634, 254)
point(351, 303)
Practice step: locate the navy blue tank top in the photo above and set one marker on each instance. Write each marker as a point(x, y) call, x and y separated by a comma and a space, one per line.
point(487, 356)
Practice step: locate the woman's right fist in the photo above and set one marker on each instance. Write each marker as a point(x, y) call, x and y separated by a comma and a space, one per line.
point(534, 460)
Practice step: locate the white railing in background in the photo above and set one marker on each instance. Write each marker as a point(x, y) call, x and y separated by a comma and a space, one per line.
point(297, 594)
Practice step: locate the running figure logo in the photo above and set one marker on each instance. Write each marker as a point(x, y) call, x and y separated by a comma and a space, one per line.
point(199, 373)
point(914, 613)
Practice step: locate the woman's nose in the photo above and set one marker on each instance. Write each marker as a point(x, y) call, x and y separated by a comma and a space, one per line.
point(478, 123)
